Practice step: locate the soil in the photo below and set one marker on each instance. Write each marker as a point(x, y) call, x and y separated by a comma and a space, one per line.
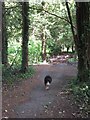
point(30, 99)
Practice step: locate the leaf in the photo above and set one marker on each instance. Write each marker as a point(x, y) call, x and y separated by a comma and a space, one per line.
point(73, 114)
point(22, 112)
point(6, 111)
point(60, 112)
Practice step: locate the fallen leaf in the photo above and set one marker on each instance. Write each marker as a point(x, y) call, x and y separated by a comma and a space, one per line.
point(63, 111)
point(45, 106)
point(34, 114)
point(73, 114)
point(6, 111)
point(81, 108)
point(60, 112)
point(8, 104)
point(12, 110)
point(49, 102)
point(22, 112)
point(6, 117)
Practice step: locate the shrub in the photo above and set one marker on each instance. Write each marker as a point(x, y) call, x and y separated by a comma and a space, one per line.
point(12, 75)
point(81, 92)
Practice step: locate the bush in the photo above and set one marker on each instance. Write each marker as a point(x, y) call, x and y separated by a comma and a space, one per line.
point(81, 92)
point(35, 52)
point(12, 75)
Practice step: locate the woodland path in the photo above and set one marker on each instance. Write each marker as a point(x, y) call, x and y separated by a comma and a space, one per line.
point(29, 99)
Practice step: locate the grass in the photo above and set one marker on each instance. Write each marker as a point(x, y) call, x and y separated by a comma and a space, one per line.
point(12, 75)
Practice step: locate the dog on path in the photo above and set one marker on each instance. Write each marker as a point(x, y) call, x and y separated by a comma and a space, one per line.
point(47, 82)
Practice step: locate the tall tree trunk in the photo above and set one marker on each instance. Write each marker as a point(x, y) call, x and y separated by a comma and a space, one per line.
point(73, 49)
point(71, 23)
point(0, 28)
point(43, 45)
point(25, 36)
point(4, 38)
point(0, 60)
point(67, 49)
point(82, 17)
point(88, 39)
point(0, 45)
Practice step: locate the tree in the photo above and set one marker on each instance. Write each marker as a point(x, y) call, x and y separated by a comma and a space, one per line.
point(0, 30)
point(83, 42)
point(72, 26)
point(4, 37)
point(43, 36)
point(25, 36)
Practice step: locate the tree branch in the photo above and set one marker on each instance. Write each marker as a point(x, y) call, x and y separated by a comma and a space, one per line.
point(7, 8)
point(73, 32)
point(59, 17)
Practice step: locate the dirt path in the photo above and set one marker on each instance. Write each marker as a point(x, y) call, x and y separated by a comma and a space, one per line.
point(30, 99)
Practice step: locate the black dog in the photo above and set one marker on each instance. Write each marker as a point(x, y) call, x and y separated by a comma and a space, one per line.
point(47, 81)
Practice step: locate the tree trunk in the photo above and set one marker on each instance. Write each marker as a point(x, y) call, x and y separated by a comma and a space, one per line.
point(82, 17)
point(71, 23)
point(4, 38)
point(43, 45)
point(0, 60)
point(0, 45)
point(25, 36)
point(88, 39)
point(67, 49)
point(73, 49)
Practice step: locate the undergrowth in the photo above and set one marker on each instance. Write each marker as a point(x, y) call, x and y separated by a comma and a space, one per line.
point(81, 91)
point(13, 74)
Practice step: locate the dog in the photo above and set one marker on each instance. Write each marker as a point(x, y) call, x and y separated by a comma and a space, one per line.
point(47, 82)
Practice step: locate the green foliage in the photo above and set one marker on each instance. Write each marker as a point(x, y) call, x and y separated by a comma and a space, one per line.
point(13, 21)
point(72, 60)
point(53, 47)
point(14, 32)
point(13, 74)
point(14, 55)
point(81, 92)
point(35, 52)
point(57, 31)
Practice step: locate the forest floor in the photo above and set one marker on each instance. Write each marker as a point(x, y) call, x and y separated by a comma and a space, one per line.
point(30, 99)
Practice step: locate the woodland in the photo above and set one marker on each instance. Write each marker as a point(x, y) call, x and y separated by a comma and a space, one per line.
point(40, 33)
